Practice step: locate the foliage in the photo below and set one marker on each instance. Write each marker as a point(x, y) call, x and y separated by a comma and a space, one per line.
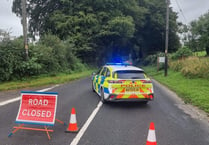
point(192, 67)
point(196, 67)
point(176, 65)
point(98, 30)
point(49, 56)
point(4, 35)
point(152, 59)
point(44, 80)
point(200, 53)
point(182, 53)
point(199, 37)
point(11, 58)
point(194, 91)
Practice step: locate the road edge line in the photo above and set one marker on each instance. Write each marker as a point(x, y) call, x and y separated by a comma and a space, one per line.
point(3, 103)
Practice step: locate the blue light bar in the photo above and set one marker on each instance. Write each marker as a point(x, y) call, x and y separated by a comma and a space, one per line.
point(118, 64)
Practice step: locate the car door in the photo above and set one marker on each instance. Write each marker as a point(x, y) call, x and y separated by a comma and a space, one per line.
point(101, 78)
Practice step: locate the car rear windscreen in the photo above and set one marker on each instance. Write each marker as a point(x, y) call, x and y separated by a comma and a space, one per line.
point(129, 74)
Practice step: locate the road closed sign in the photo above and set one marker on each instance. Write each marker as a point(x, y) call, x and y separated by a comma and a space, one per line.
point(37, 108)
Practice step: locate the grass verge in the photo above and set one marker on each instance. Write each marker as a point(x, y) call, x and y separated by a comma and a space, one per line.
point(44, 80)
point(193, 91)
point(200, 53)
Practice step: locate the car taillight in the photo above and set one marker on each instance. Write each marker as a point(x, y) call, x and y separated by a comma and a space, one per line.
point(112, 96)
point(116, 81)
point(151, 96)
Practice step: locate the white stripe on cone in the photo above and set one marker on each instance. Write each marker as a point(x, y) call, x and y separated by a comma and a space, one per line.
point(73, 118)
point(151, 136)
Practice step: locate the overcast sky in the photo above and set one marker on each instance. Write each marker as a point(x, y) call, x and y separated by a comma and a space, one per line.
point(191, 9)
point(8, 20)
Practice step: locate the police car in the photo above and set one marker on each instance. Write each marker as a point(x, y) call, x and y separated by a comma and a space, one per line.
point(122, 82)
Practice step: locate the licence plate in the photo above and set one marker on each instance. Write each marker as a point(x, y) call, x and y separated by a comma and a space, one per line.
point(132, 89)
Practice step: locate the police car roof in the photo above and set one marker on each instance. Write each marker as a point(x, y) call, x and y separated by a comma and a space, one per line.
point(124, 67)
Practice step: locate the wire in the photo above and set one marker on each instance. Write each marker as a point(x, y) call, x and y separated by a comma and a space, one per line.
point(181, 11)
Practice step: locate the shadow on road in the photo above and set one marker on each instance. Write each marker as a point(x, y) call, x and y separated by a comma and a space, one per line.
point(139, 105)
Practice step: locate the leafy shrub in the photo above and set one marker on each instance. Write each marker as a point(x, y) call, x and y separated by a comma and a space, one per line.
point(28, 68)
point(56, 60)
point(11, 53)
point(182, 53)
point(49, 56)
point(152, 59)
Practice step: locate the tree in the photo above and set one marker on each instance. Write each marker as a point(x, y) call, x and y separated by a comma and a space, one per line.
point(199, 37)
point(101, 29)
point(4, 35)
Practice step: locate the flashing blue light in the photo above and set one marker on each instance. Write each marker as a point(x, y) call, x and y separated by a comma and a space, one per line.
point(118, 64)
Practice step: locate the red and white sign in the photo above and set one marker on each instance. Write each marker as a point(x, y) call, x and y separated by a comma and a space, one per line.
point(37, 108)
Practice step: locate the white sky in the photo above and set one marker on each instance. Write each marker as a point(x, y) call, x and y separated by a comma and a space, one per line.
point(191, 9)
point(8, 20)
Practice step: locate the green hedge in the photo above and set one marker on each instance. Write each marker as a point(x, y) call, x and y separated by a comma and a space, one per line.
point(48, 56)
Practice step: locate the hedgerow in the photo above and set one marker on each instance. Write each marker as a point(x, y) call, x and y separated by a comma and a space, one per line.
point(49, 56)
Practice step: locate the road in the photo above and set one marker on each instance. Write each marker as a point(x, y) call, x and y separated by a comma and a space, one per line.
point(113, 123)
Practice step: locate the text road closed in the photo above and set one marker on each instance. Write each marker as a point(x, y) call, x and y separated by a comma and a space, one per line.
point(37, 108)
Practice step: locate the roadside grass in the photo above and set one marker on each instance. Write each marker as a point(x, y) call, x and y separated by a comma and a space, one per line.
point(200, 53)
point(44, 80)
point(193, 91)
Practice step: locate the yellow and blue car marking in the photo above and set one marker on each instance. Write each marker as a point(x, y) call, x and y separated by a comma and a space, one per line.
point(107, 84)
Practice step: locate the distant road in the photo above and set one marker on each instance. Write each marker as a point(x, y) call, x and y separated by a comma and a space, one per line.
point(110, 124)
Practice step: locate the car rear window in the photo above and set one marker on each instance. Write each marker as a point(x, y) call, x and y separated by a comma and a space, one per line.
point(129, 74)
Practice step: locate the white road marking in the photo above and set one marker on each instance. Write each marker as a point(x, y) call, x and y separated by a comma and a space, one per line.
point(18, 98)
point(85, 126)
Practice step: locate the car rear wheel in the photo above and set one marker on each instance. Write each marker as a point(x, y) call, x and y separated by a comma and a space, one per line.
point(93, 87)
point(144, 102)
point(102, 96)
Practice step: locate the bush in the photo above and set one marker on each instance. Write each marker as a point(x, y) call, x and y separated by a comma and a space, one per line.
point(182, 53)
point(49, 56)
point(12, 55)
point(192, 67)
point(56, 53)
point(176, 65)
point(152, 59)
point(196, 67)
point(27, 68)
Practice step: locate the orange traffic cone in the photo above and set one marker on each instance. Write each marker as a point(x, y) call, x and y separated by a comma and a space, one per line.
point(151, 138)
point(72, 127)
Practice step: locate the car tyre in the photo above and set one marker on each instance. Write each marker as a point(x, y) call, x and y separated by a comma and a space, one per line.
point(93, 86)
point(144, 102)
point(102, 96)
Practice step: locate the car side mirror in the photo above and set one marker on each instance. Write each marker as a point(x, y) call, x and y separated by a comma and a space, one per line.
point(92, 75)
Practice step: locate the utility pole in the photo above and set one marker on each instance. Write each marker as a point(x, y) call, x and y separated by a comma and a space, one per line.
point(166, 37)
point(24, 24)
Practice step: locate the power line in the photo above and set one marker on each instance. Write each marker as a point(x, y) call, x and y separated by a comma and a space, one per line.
point(181, 11)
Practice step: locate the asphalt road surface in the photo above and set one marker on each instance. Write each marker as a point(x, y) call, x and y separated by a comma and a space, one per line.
point(109, 124)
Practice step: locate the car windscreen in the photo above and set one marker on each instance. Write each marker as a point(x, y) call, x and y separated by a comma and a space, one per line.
point(129, 74)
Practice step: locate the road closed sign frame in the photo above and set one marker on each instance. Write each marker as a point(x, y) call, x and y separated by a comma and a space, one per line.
point(37, 108)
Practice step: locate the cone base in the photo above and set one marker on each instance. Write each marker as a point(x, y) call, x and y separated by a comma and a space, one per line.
point(151, 143)
point(69, 131)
